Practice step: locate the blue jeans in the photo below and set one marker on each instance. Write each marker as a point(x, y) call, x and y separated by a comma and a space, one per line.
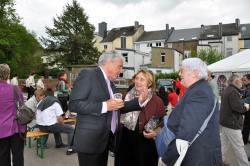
point(57, 129)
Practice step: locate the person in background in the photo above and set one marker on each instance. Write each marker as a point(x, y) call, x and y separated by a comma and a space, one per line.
point(246, 99)
point(163, 95)
point(213, 83)
point(177, 85)
point(231, 120)
point(40, 84)
point(172, 97)
point(30, 85)
point(97, 111)
point(188, 116)
point(63, 90)
point(11, 133)
point(32, 104)
point(138, 148)
point(14, 80)
point(49, 119)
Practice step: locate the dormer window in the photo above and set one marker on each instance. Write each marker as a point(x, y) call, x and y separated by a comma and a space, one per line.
point(123, 41)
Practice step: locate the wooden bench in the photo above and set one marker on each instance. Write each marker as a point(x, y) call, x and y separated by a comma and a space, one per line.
point(40, 140)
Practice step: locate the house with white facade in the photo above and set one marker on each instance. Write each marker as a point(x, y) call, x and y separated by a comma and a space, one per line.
point(133, 61)
point(222, 37)
point(151, 39)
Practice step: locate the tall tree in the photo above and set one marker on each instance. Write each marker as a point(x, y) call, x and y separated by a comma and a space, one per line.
point(70, 41)
point(18, 47)
point(8, 12)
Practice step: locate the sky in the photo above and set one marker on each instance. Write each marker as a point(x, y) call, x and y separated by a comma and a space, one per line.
point(153, 14)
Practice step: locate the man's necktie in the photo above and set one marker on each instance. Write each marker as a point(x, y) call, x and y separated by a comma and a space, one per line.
point(113, 121)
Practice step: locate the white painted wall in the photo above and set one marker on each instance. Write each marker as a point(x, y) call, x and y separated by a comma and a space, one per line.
point(143, 46)
point(135, 60)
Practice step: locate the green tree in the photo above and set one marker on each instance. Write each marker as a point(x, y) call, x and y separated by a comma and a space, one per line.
point(8, 12)
point(70, 41)
point(18, 47)
point(208, 55)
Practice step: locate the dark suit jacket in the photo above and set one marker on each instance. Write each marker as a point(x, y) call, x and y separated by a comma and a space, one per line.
point(93, 127)
point(185, 121)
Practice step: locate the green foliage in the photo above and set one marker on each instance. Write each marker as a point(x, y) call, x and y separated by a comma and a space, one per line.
point(173, 75)
point(18, 47)
point(208, 55)
point(70, 41)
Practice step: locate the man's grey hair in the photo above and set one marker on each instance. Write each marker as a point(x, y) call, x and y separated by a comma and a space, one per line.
point(196, 64)
point(233, 78)
point(4, 72)
point(109, 55)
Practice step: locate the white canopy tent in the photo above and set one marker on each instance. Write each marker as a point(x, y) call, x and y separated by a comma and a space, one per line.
point(239, 63)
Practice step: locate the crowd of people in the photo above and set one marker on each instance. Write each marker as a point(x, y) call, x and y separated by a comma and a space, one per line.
point(105, 123)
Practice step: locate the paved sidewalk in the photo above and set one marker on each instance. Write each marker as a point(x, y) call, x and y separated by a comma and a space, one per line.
point(52, 156)
point(57, 157)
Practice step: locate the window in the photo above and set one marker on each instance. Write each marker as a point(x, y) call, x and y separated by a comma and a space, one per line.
point(149, 45)
point(105, 46)
point(158, 44)
point(125, 55)
point(229, 38)
point(163, 57)
point(229, 52)
point(187, 54)
point(123, 41)
point(247, 44)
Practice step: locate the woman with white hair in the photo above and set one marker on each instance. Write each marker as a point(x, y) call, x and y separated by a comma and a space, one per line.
point(11, 133)
point(188, 116)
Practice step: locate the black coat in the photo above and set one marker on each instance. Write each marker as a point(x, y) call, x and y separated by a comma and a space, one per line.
point(231, 108)
point(185, 121)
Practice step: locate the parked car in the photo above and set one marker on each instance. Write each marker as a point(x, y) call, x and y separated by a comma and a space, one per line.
point(166, 83)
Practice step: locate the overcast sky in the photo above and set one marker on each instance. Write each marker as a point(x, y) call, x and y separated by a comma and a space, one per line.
point(153, 14)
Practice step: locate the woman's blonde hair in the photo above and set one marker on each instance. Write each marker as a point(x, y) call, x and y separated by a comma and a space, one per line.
point(4, 72)
point(149, 76)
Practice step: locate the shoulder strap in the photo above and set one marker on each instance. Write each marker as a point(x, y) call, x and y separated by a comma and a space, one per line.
point(204, 125)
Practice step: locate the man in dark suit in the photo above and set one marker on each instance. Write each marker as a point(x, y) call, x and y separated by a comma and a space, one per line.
point(92, 100)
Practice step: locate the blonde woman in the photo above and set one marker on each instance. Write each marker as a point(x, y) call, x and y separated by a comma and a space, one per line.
point(136, 148)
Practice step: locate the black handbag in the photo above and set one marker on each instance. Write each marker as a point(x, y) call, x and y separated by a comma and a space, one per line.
point(24, 114)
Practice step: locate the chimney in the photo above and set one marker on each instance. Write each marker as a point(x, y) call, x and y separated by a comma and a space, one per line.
point(136, 24)
point(172, 29)
point(237, 22)
point(102, 29)
point(202, 29)
point(220, 29)
point(167, 31)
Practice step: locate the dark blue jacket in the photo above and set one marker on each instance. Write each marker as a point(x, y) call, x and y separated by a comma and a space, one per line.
point(185, 121)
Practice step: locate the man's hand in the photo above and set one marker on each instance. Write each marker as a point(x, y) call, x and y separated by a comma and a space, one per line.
point(114, 104)
point(247, 106)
